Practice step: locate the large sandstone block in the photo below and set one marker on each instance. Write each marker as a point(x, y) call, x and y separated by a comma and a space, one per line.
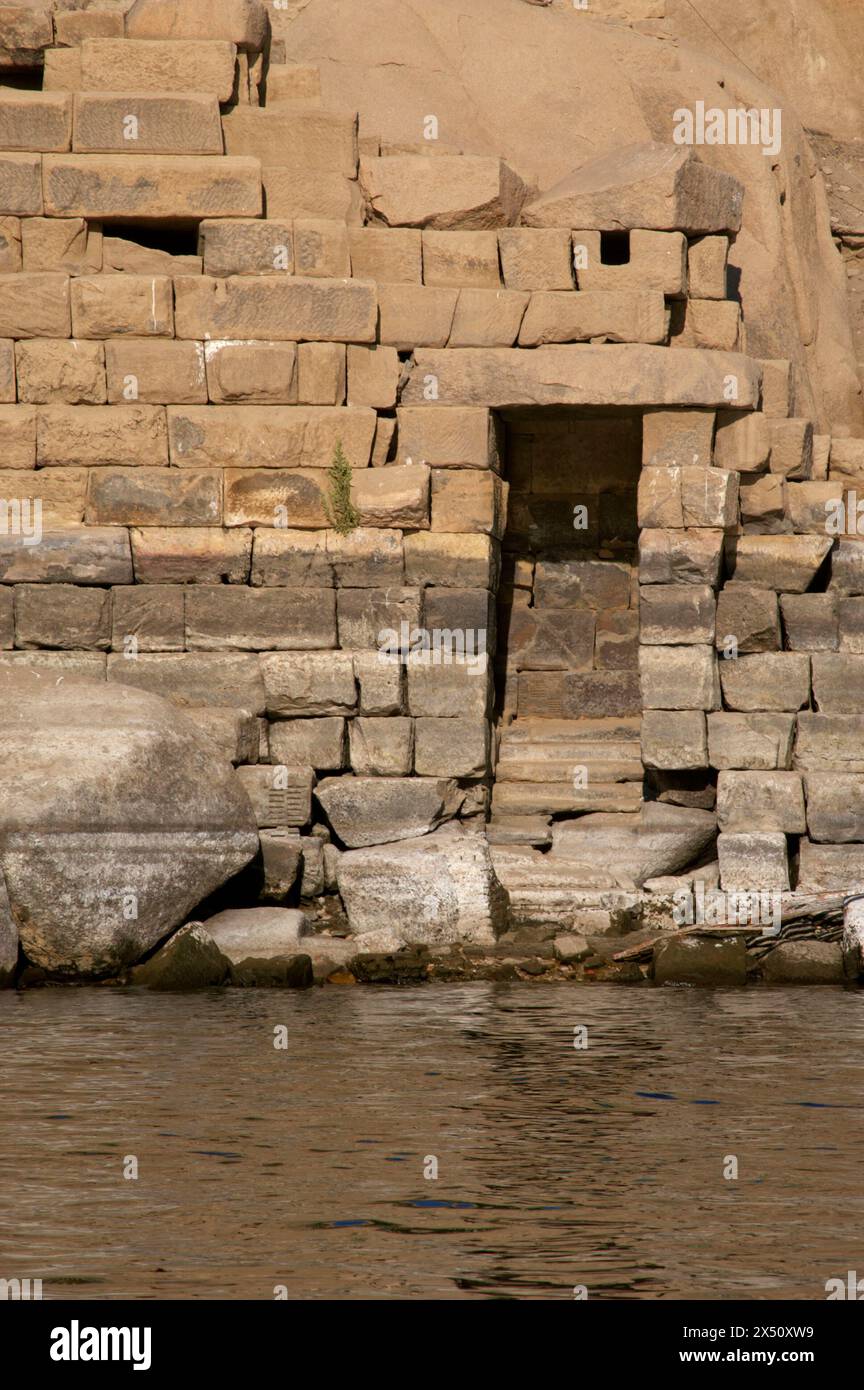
point(670, 556)
point(451, 747)
point(155, 372)
point(62, 615)
point(830, 741)
point(381, 747)
point(379, 810)
point(291, 308)
point(811, 622)
point(194, 678)
point(447, 436)
point(835, 806)
point(373, 376)
point(830, 868)
point(67, 244)
point(545, 640)
point(658, 261)
point(595, 584)
point(77, 555)
point(35, 120)
point(148, 618)
point(437, 888)
point(748, 620)
point(416, 315)
point(764, 503)
point(616, 316)
point(308, 138)
point(321, 248)
point(269, 436)
point(676, 614)
point(292, 191)
point(106, 306)
point(10, 244)
point(535, 259)
point(768, 681)
point(321, 373)
point(153, 821)
point(467, 500)
point(761, 801)
point(677, 438)
point(241, 22)
point(674, 739)
point(629, 374)
point(445, 193)
point(705, 324)
point(308, 683)
point(280, 797)
point(458, 687)
point(26, 30)
point(394, 496)
point(18, 436)
point(679, 678)
point(155, 65)
point(240, 373)
point(34, 306)
point(191, 555)
point(247, 246)
point(56, 494)
point(791, 447)
point(21, 185)
point(487, 318)
point(154, 497)
point(631, 849)
point(371, 618)
point(693, 960)
point(698, 497)
point(787, 563)
point(308, 743)
point(742, 441)
point(460, 561)
point(276, 497)
point(707, 258)
point(750, 742)
point(365, 559)
point(222, 617)
point(578, 695)
point(146, 187)
point(661, 187)
point(847, 567)
point(838, 682)
point(461, 259)
point(751, 860)
point(142, 124)
point(389, 255)
point(60, 370)
point(69, 435)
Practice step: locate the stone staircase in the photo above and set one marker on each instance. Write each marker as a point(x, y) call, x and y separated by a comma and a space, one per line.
point(559, 766)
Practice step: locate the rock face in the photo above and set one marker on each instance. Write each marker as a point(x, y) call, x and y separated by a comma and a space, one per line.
point(630, 849)
point(435, 889)
point(190, 960)
point(117, 819)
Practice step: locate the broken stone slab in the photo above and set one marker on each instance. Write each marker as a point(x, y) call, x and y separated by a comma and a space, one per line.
point(438, 888)
point(629, 374)
point(367, 811)
point(697, 960)
point(753, 859)
point(190, 960)
point(282, 861)
point(262, 932)
point(107, 854)
point(804, 963)
point(446, 193)
point(658, 841)
point(658, 187)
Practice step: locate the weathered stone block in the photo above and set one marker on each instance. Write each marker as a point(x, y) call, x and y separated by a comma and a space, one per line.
point(835, 806)
point(536, 258)
point(415, 315)
point(308, 683)
point(154, 65)
point(381, 747)
point(35, 120)
point(154, 497)
point(456, 688)
point(191, 555)
point(674, 739)
point(751, 742)
point(677, 437)
point(276, 497)
point(280, 796)
point(742, 441)
point(676, 614)
point(467, 500)
point(246, 246)
point(694, 960)
point(373, 376)
point(308, 139)
point(787, 563)
point(791, 447)
point(705, 324)
point(7, 371)
point(830, 741)
point(658, 261)
point(78, 555)
point(195, 678)
point(374, 618)
point(751, 860)
point(748, 620)
point(10, 244)
point(157, 373)
point(811, 621)
point(669, 556)
point(447, 436)
point(147, 618)
point(288, 308)
point(445, 193)
point(595, 584)
point(21, 185)
point(225, 617)
point(577, 695)
point(838, 682)
point(144, 187)
point(769, 681)
point(450, 560)
point(830, 868)
point(67, 244)
point(250, 373)
point(321, 373)
point(379, 677)
point(53, 497)
point(60, 370)
point(269, 436)
point(586, 315)
point(461, 259)
point(394, 496)
point(849, 615)
point(392, 255)
point(699, 497)
point(804, 962)
point(847, 567)
point(105, 306)
point(761, 801)
point(706, 267)
point(451, 747)
point(159, 124)
point(487, 318)
point(130, 435)
point(321, 248)
point(679, 678)
point(34, 306)
point(315, 743)
point(18, 436)
point(294, 191)
point(763, 502)
point(778, 388)
point(62, 615)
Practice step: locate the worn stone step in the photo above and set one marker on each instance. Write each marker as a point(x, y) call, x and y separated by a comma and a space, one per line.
point(530, 768)
point(519, 830)
point(531, 798)
point(570, 730)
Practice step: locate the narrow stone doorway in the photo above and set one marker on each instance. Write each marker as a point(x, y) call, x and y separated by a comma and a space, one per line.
point(567, 665)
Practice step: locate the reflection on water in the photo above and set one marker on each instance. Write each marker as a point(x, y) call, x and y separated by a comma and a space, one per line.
point(558, 1167)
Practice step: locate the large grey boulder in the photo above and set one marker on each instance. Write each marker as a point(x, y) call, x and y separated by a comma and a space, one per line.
point(659, 840)
point(190, 960)
point(117, 817)
point(262, 932)
point(438, 888)
point(377, 810)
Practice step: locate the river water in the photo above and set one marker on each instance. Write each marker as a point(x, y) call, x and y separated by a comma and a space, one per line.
point(304, 1168)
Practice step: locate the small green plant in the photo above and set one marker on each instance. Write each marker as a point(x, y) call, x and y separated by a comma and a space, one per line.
point(341, 512)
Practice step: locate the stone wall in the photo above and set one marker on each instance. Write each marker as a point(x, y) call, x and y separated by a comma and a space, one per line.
point(213, 289)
